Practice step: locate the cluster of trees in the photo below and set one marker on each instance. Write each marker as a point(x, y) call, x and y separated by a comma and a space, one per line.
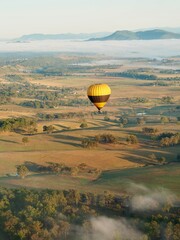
point(48, 129)
point(167, 139)
point(149, 130)
point(67, 115)
point(100, 138)
point(167, 99)
point(170, 78)
point(106, 138)
point(13, 124)
point(50, 71)
point(165, 119)
point(5, 99)
point(139, 100)
point(160, 160)
point(51, 215)
point(81, 169)
point(37, 104)
point(170, 141)
point(169, 71)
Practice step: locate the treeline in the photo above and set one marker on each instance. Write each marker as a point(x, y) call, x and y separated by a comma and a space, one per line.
point(52, 215)
point(58, 169)
point(53, 104)
point(169, 71)
point(131, 74)
point(142, 76)
point(13, 124)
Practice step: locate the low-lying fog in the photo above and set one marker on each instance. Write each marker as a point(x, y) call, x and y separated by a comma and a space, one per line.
point(133, 48)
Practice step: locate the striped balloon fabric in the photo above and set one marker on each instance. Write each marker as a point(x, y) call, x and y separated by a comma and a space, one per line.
point(99, 94)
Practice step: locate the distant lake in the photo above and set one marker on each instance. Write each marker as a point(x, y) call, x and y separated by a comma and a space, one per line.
point(120, 49)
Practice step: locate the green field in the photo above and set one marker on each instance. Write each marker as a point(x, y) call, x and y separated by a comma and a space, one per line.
point(116, 181)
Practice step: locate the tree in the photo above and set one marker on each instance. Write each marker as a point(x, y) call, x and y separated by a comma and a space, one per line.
point(106, 138)
point(106, 118)
point(140, 121)
point(89, 143)
point(165, 142)
point(48, 129)
point(64, 228)
point(169, 231)
point(124, 120)
point(83, 125)
point(164, 119)
point(25, 140)
point(56, 167)
point(148, 130)
point(161, 160)
point(74, 171)
point(153, 157)
point(132, 139)
point(22, 171)
point(31, 130)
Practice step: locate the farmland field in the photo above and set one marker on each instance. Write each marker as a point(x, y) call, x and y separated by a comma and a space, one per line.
point(62, 90)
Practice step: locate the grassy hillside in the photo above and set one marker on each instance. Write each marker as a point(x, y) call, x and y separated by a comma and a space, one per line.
point(165, 176)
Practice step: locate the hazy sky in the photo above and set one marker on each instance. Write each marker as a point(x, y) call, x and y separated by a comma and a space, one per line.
point(19, 17)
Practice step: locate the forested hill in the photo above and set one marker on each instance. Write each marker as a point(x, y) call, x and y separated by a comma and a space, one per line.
point(140, 35)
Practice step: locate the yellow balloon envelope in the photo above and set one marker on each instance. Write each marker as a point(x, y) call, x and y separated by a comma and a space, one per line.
point(99, 94)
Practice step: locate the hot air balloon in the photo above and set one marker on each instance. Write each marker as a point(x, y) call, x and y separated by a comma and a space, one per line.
point(99, 94)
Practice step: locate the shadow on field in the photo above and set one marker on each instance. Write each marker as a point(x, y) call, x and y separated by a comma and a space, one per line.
point(34, 167)
point(135, 158)
point(101, 127)
point(143, 156)
point(61, 126)
point(8, 141)
point(67, 143)
point(67, 139)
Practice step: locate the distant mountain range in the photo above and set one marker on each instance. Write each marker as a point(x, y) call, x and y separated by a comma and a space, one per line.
point(63, 36)
point(169, 29)
point(140, 35)
point(149, 34)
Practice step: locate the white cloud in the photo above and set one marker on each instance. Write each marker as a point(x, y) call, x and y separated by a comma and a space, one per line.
point(146, 199)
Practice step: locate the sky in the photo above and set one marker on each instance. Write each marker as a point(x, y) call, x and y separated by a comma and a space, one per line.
point(21, 17)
